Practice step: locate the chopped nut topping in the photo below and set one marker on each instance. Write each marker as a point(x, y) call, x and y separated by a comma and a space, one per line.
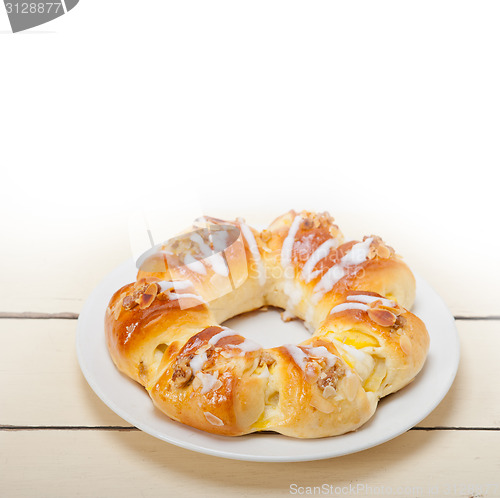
point(334, 231)
point(307, 224)
point(265, 235)
point(331, 376)
point(267, 359)
point(129, 303)
point(400, 322)
point(182, 373)
point(382, 317)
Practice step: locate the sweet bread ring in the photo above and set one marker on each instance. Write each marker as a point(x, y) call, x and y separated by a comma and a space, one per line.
point(164, 330)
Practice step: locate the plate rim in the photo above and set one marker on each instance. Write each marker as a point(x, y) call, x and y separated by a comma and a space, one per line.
point(88, 308)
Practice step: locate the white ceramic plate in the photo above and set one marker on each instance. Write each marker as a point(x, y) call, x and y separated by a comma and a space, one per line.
point(395, 414)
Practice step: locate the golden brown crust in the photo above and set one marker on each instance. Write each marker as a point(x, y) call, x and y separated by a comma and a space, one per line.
point(163, 330)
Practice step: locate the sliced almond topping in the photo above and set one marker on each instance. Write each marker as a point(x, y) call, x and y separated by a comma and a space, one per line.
point(117, 311)
point(351, 386)
point(145, 300)
point(329, 391)
point(321, 404)
point(383, 317)
point(197, 383)
point(152, 289)
point(213, 419)
point(383, 252)
point(372, 252)
point(397, 310)
point(312, 374)
point(405, 343)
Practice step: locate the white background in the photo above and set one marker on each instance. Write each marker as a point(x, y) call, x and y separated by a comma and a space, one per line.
point(384, 113)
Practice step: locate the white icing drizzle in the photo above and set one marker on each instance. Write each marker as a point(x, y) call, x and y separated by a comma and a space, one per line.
point(208, 381)
point(194, 264)
point(174, 296)
point(197, 362)
point(328, 280)
point(355, 256)
point(247, 346)
point(298, 355)
point(224, 333)
point(219, 240)
point(252, 245)
point(362, 298)
point(205, 249)
point(214, 259)
point(321, 252)
point(130, 329)
point(358, 253)
point(349, 306)
point(166, 285)
point(322, 352)
point(218, 263)
point(286, 249)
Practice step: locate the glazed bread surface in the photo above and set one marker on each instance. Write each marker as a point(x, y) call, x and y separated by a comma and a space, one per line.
point(164, 330)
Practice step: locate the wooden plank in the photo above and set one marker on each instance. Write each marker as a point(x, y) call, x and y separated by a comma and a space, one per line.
point(101, 463)
point(41, 383)
point(473, 400)
point(52, 265)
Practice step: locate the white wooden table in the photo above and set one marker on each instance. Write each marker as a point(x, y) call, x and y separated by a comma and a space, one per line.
point(58, 439)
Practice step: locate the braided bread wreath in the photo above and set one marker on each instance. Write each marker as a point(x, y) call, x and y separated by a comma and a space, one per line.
point(163, 330)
